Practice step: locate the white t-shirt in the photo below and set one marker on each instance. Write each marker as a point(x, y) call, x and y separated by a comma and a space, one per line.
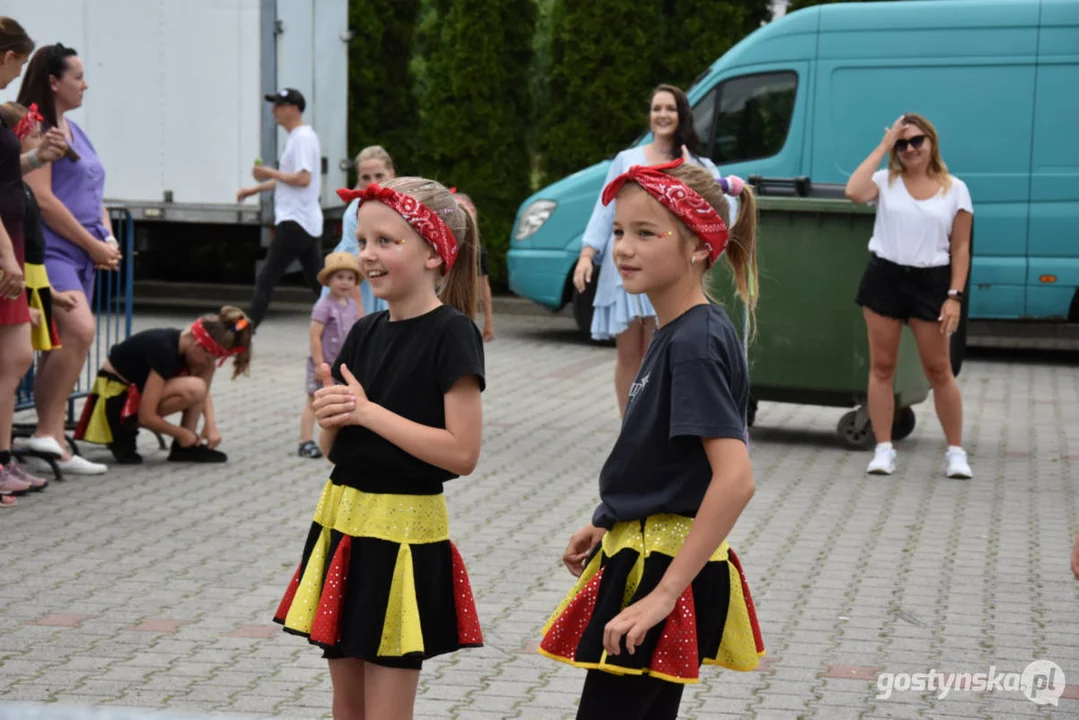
point(916, 233)
point(300, 204)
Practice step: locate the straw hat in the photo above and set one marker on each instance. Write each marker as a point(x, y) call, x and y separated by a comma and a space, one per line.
point(339, 261)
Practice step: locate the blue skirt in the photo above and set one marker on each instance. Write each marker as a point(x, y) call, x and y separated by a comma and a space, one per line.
point(611, 319)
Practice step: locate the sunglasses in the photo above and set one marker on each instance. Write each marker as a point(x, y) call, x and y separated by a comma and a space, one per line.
point(914, 142)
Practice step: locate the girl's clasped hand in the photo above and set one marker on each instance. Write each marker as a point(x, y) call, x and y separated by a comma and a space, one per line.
point(339, 405)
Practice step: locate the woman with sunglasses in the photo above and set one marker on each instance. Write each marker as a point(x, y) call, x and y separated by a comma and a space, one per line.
point(920, 257)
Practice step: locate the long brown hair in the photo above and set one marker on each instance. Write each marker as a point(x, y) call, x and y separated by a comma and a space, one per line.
point(937, 169)
point(13, 38)
point(48, 61)
point(741, 252)
point(460, 287)
point(231, 328)
point(686, 133)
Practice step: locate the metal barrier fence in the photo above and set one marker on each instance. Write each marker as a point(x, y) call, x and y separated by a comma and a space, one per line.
point(112, 306)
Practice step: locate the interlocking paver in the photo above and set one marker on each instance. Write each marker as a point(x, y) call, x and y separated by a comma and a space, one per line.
point(179, 569)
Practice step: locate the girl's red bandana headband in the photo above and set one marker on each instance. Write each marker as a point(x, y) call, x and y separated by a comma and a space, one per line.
point(421, 218)
point(29, 122)
point(213, 347)
point(689, 207)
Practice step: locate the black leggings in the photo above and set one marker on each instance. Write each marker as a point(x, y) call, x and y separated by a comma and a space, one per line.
point(628, 697)
point(290, 242)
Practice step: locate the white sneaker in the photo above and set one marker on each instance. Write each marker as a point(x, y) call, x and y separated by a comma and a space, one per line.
point(958, 467)
point(79, 465)
point(883, 462)
point(42, 445)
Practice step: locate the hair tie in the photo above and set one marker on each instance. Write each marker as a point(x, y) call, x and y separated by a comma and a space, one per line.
point(731, 185)
point(240, 325)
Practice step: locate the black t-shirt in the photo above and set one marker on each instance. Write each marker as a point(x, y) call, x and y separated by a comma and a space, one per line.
point(35, 236)
point(693, 384)
point(407, 367)
point(12, 200)
point(157, 350)
point(483, 262)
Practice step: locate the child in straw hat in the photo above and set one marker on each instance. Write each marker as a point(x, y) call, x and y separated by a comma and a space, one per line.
point(332, 317)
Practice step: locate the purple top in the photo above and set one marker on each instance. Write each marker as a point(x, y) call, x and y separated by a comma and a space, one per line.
point(80, 186)
point(337, 320)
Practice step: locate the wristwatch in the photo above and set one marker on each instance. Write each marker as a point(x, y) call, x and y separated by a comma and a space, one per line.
point(956, 295)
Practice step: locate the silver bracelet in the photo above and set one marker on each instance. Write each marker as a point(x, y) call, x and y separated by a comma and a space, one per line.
point(31, 157)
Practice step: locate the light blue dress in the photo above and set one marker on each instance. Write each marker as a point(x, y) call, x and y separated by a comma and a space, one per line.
point(349, 244)
point(614, 308)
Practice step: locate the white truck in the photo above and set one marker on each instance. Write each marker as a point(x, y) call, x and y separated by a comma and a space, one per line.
point(175, 102)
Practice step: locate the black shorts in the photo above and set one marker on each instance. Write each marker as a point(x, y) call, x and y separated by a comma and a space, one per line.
point(902, 291)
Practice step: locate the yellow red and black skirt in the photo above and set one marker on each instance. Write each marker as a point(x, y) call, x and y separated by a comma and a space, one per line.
point(381, 581)
point(45, 336)
point(111, 410)
point(713, 622)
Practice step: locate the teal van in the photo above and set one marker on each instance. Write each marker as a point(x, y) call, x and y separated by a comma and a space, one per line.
point(810, 94)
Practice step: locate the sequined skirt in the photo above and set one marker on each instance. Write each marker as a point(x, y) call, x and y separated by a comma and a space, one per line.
point(111, 412)
point(381, 581)
point(45, 336)
point(713, 622)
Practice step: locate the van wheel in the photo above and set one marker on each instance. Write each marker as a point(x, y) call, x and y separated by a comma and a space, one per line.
point(582, 303)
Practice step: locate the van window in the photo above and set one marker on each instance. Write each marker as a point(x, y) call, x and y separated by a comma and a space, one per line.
point(703, 113)
point(754, 116)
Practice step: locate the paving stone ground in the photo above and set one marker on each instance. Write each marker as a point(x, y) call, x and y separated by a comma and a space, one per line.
point(153, 587)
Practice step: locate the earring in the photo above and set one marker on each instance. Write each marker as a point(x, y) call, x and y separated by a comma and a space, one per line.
point(693, 260)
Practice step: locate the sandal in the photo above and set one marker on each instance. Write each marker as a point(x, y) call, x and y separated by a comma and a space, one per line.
point(7, 501)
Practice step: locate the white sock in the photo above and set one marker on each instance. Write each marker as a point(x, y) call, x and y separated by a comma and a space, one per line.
point(884, 446)
point(954, 447)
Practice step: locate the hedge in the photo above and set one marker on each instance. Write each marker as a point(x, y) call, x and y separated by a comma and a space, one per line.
point(475, 109)
point(498, 97)
point(382, 108)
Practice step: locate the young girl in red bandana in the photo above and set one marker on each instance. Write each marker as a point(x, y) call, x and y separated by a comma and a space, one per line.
point(659, 591)
point(380, 586)
point(157, 373)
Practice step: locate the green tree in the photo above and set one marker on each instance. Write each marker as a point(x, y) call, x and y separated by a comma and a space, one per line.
point(381, 106)
point(476, 105)
point(696, 32)
point(603, 65)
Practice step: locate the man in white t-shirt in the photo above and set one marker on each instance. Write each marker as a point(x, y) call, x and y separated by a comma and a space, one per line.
point(297, 212)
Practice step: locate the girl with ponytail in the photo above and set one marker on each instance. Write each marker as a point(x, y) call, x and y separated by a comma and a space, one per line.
point(659, 590)
point(380, 586)
point(157, 373)
point(618, 313)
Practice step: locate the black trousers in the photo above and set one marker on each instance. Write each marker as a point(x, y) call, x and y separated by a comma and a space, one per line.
point(628, 697)
point(290, 242)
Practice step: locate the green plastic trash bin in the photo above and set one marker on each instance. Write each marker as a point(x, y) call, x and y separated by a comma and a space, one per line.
point(811, 345)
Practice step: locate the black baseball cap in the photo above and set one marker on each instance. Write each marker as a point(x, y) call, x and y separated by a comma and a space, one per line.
point(287, 96)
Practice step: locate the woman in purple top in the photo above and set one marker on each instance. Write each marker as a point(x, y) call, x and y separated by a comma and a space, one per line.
point(78, 240)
